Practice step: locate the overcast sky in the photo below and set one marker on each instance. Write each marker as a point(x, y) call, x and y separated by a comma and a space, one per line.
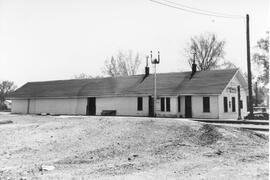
point(56, 39)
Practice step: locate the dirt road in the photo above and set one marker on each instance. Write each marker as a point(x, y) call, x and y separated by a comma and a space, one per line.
point(128, 148)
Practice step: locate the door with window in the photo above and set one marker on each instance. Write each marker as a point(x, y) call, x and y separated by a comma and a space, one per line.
point(188, 107)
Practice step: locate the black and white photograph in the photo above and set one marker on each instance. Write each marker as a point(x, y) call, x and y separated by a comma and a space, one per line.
point(134, 89)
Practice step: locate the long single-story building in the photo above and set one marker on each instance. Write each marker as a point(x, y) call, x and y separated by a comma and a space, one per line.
point(205, 94)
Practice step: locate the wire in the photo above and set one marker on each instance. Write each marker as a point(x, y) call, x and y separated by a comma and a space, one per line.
point(212, 12)
point(195, 10)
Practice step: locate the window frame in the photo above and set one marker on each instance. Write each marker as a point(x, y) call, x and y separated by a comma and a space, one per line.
point(162, 104)
point(165, 104)
point(233, 105)
point(139, 103)
point(168, 104)
point(206, 104)
point(225, 104)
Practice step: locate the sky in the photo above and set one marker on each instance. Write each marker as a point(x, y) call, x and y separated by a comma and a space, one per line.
point(44, 40)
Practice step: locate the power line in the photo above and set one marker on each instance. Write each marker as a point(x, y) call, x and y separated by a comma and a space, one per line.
point(195, 10)
point(211, 12)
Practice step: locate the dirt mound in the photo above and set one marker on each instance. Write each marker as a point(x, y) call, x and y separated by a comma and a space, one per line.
point(208, 134)
point(156, 143)
point(88, 147)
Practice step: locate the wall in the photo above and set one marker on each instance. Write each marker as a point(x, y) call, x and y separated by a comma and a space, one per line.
point(123, 105)
point(128, 106)
point(229, 94)
point(54, 106)
point(19, 106)
point(197, 107)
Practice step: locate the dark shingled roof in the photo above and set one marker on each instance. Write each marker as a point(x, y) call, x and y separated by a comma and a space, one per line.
point(203, 82)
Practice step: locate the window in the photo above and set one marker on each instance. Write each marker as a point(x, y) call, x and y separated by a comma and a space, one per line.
point(168, 104)
point(225, 104)
point(162, 104)
point(233, 104)
point(179, 104)
point(139, 103)
point(206, 104)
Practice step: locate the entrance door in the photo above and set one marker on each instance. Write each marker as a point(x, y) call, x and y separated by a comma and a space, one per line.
point(151, 106)
point(91, 106)
point(188, 107)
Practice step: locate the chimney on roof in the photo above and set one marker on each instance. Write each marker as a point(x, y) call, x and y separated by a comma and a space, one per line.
point(146, 67)
point(194, 67)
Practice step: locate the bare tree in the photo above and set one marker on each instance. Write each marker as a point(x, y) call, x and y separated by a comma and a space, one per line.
point(123, 64)
point(85, 76)
point(6, 87)
point(227, 65)
point(208, 51)
point(82, 76)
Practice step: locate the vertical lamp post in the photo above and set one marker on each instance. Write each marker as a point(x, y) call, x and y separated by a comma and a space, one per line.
point(155, 62)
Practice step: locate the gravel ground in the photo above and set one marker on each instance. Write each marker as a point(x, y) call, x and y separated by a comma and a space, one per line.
point(81, 147)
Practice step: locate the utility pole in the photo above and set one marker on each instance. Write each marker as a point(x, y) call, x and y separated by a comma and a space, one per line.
point(249, 69)
point(155, 62)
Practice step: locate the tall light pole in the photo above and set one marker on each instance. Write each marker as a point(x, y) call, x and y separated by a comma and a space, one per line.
point(155, 62)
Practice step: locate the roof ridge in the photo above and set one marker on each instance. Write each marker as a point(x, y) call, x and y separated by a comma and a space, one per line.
point(118, 77)
point(131, 76)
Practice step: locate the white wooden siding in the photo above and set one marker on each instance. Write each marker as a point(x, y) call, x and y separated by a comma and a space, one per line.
point(123, 105)
point(233, 115)
point(54, 106)
point(19, 106)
